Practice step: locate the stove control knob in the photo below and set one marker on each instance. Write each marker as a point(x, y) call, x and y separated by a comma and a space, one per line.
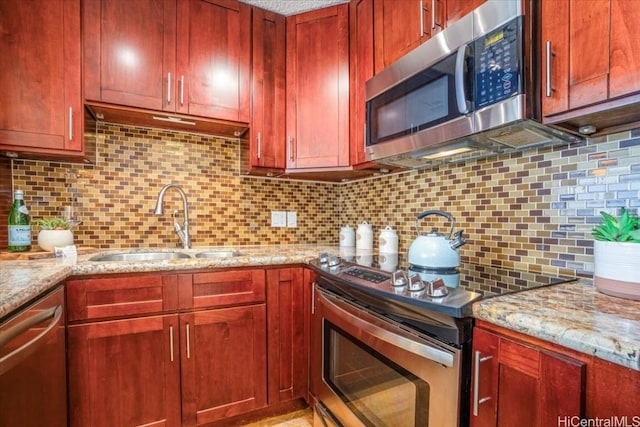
point(415, 283)
point(399, 279)
point(333, 261)
point(437, 289)
point(323, 258)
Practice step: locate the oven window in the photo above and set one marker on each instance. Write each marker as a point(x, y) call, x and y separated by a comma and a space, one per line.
point(378, 391)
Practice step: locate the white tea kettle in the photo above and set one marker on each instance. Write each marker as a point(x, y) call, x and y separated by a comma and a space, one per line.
point(434, 250)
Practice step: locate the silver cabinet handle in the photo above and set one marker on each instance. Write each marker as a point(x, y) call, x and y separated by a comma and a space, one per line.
point(13, 358)
point(476, 382)
point(168, 88)
point(70, 123)
point(421, 18)
point(171, 342)
point(548, 67)
point(291, 148)
point(181, 90)
point(259, 145)
point(433, 14)
point(188, 345)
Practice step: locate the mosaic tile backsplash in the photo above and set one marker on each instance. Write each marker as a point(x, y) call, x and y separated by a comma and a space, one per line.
point(530, 211)
point(115, 198)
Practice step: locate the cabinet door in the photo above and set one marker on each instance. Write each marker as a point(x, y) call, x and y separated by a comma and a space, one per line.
point(221, 288)
point(399, 28)
point(286, 335)
point(318, 88)
point(555, 56)
point(361, 70)
point(224, 362)
point(41, 109)
point(456, 9)
point(484, 393)
point(106, 297)
point(129, 52)
point(624, 68)
point(267, 145)
point(124, 373)
point(213, 59)
point(523, 385)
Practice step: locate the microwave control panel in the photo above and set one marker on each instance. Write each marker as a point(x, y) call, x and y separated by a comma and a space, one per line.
point(497, 64)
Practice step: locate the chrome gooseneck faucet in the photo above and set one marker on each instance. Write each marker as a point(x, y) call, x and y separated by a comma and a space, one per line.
point(181, 230)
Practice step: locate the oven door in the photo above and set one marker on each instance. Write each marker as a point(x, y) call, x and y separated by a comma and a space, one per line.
point(369, 371)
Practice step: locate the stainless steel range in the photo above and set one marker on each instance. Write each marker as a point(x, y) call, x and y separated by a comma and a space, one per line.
point(393, 348)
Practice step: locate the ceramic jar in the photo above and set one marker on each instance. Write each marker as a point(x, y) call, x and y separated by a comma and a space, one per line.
point(388, 241)
point(364, 237)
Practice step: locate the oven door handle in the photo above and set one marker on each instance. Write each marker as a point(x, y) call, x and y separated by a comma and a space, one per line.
point(325, 415)
point(345, 312)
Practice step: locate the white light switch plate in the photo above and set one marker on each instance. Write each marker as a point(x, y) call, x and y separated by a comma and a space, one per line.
point(292, 219)
point(278, 219)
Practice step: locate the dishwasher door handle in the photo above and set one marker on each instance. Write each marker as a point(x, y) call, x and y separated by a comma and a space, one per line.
point(13, 358)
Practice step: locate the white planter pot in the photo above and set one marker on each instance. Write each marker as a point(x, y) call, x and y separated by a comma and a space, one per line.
point(617, 269)
point(49, 239)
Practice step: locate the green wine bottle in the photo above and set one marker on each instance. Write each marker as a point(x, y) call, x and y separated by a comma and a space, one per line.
point(19, 225)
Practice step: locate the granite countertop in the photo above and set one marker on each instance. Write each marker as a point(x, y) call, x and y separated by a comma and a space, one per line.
point(23, 280)
point(574, 315)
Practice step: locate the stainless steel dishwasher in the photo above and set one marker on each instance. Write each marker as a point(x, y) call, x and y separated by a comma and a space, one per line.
point(33, 378)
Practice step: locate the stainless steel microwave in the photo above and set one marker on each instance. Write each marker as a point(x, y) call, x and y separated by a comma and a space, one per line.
point(470, 91)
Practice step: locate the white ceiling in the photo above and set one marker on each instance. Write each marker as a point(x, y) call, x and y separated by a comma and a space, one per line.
point(292, 7)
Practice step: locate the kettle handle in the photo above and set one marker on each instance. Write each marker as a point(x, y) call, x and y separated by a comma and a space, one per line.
point(436, 212)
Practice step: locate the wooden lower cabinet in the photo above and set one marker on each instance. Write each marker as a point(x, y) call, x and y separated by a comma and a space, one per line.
point(522, 385)
point(124, 373)
point(223, 363)
point(521, 380)
point(185, 349)
point(287, 335)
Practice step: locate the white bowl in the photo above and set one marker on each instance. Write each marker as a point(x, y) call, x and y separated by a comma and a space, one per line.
point(49, 239)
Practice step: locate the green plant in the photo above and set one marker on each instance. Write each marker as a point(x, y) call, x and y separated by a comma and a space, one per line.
point(52, 224)
point(612, 229)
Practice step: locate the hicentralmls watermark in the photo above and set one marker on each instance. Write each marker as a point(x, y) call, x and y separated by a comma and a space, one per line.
point(615, 421)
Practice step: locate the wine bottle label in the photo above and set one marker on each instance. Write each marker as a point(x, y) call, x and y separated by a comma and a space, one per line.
point(19, 235)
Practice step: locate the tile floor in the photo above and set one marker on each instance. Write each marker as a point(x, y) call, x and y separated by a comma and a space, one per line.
point(301, 418)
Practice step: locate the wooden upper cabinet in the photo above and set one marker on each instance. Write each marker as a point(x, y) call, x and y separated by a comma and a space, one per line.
point(624, 48)
point(456, 9)
point(41, 109)
point(129, 51)
point(401, 26)
point(188, 56)
point(591, 52)
point(267, 134)
point(213, 59)
point(318, 88)
point(361, 70)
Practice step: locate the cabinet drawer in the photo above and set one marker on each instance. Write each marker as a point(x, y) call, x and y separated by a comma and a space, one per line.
point(121, 296)
point(221, 288)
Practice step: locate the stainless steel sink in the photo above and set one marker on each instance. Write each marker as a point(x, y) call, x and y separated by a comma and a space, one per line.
point(218, 253)
point(140, 256)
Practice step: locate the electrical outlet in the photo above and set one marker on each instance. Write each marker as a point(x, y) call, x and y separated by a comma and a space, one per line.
point(292, 219)
point(278, 219)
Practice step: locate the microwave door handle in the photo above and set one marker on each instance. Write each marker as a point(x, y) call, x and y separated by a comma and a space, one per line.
point(463, 103)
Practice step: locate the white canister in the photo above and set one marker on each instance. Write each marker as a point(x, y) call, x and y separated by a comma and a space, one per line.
point(388, 261)
point(347, 237)
point(388, 241)
point(364, 237)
